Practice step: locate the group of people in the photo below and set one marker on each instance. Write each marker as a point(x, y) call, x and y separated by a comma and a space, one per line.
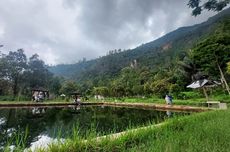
point(38, 96)
point(77, 100)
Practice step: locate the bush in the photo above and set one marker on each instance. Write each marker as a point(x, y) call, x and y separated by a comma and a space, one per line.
point(189, 95)
point(7, 98)
point(12, 98)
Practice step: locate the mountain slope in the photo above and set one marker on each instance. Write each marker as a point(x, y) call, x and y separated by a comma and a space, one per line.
point(160, 52)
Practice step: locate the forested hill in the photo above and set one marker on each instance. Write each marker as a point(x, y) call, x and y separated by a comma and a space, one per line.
point(158, 53)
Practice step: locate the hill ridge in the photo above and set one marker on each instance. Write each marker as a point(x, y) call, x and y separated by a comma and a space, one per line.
point(180, 40)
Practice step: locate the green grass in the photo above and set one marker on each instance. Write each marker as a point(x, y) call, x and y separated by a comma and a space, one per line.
point(186, 98)
point(17, 140)
point(208, 132)
point(193, 102)
point(203, 132)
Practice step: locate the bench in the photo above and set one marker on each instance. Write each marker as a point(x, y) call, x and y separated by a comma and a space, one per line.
point(214, 104)
point(219, 105)
point(211, 103)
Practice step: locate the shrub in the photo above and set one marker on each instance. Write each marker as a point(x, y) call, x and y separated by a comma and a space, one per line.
point(189, 95)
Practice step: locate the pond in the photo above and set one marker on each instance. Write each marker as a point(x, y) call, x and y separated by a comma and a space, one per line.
point(58, 122)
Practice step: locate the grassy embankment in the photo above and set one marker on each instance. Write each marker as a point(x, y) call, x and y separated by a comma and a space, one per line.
point(183, 98)
point(208, 131)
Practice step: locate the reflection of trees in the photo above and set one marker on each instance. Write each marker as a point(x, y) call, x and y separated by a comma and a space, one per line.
point(53, 121)
point(18, 120)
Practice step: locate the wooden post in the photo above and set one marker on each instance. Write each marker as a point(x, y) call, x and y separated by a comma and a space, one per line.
point(223, 78)
point(205, 93)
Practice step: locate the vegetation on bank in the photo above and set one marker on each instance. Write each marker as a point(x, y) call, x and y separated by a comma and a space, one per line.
point(164, 66)
point(174, 61)
point(208, 131)
point(188, 98)
point(150, 69)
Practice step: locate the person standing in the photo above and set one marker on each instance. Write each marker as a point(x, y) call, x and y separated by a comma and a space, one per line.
point(168, 99)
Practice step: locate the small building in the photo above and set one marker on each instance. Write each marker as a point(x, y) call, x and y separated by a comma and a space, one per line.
point(77, 97)
point(39, 94)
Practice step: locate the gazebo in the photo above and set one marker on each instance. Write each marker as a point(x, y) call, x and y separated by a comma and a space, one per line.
point(39, 94)
point(204, 84)
point(76, 96)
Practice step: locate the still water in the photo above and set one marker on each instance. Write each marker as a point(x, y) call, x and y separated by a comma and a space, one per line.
point(53, 123)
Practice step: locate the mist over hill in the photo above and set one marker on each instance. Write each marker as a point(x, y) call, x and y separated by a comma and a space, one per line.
point(161, 52)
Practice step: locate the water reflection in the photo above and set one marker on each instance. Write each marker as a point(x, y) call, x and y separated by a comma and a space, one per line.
point(43, 141)
point(52, 123)
point(169, 113)
point(38, 110)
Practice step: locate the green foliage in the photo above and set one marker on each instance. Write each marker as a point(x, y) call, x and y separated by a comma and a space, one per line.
point(69, 87)
point(17, 140)
point(228, 67)
point(13, 65)
point(214, 5)
point(167, 68)
point(37, 74)
point(165, 63)
point(7, 98)
point(161, 87)
point(104, 91)
point(55, 85)
point(189, 95)
point(18, 75)
point(212, 52)
point(151, 55)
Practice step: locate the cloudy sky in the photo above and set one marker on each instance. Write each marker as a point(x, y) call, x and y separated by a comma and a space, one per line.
point(65, 31)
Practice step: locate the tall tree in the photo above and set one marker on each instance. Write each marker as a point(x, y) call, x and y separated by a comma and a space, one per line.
point(212, 55)
point(104, 91)
point(69, 87)
point(15, 65)
point(38, 73)
point(55, 85)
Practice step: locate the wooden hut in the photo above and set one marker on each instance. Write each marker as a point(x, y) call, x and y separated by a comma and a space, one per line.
point(39, 94)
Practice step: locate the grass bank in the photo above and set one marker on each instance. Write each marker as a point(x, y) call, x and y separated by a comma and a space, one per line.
point(207, 131)
point(187, 98)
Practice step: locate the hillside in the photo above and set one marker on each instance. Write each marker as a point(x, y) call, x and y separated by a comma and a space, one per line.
point(160, 52)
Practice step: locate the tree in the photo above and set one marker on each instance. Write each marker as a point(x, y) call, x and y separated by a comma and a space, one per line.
point(212, 55)
point(187, 67)
point(37, 73)
point(15, 64)
point(161, 87)
point(104, 91)
point(129, 78)
point(69, 87)
point(55, 85)
point(213, 5)
point(18, 76)
point(118, 89)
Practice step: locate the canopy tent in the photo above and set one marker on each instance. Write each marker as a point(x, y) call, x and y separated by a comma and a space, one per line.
point(203, 83)
point(39, 94)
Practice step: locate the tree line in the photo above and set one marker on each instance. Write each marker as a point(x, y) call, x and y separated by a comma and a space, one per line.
point(209, 58)
point(19, 74)
point(156, 74)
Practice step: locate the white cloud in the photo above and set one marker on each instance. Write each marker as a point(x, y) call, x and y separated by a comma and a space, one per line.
point(65, 31)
